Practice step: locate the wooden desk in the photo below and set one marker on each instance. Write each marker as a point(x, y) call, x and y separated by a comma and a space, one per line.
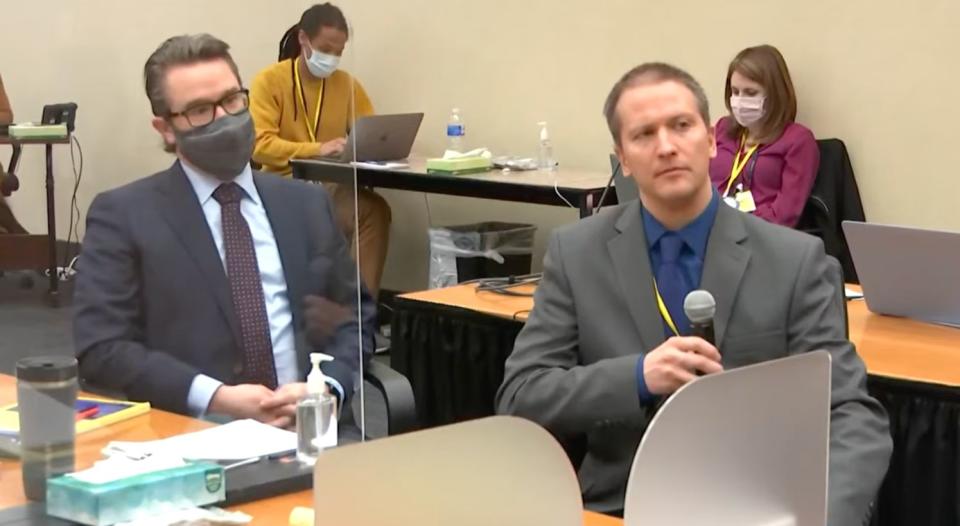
point(25, 251)
point(891, 347)
point(275, 511)
point(581, 188)
point(160, 424)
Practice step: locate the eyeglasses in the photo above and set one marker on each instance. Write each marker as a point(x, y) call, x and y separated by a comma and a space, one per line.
point(203, 113)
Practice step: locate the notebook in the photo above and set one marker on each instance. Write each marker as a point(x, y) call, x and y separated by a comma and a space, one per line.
point(93, 413)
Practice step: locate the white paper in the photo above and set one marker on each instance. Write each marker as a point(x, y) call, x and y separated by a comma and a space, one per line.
point(237, 440)
point(121, 467)
point(190, 516)
point(852, 294)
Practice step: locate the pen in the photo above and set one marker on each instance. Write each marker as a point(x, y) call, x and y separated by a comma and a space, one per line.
point(237, 464)
point(88, 413)
point(281, 454)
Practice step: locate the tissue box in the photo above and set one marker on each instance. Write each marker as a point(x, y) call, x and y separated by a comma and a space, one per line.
point(143, 495)
point(459, 165)
point(38, 131)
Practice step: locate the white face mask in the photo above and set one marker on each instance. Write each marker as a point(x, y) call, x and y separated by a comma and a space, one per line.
point(747, 110)
point(322, 65)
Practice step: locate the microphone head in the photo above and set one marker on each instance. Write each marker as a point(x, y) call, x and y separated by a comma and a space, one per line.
point(699, 306)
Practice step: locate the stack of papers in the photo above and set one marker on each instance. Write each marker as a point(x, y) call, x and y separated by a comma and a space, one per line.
point(237, 440)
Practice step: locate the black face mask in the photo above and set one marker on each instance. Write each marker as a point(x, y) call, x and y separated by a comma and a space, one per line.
point(221, 148)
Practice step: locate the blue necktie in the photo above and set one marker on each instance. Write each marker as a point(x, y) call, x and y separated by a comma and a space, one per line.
point(672, 282)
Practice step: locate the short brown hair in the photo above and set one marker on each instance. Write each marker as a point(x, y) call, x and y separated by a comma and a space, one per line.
point(180, 51)
point(766, 66)
point(648, 73)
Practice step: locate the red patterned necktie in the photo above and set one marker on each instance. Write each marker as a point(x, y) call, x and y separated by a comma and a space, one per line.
point(246, 289)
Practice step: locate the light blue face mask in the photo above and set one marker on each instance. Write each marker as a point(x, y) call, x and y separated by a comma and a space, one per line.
point(322, 65)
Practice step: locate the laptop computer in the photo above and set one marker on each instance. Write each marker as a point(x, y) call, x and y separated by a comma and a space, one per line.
point(909, 272)
point(378, 138)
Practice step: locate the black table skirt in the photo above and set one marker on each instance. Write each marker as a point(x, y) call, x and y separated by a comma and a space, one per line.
point(454, 359)
point(921, 487)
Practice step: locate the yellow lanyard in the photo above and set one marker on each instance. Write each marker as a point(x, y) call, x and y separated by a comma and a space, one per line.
point(739, 163)
point(663, 310)
point(312, 130)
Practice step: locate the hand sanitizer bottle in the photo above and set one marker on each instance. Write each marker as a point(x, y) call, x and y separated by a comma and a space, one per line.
point(316, 414)
point(545, 160)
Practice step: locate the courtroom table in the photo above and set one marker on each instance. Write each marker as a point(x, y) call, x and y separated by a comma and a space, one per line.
point(451, 344)
point(156, 425)
point(275, 511)
point(24, 251)
point(583, 189)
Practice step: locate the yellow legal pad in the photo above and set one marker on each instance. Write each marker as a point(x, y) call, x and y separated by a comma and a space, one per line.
point(107, 412)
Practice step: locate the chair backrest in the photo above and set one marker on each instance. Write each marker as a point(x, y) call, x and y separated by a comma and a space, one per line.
point(834, 198)
point(497, 470)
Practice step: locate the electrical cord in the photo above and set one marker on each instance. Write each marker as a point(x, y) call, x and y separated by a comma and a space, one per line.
point(606, 190)
point(556, 188)
point(73, 233)
point(426, 203)
point(505, 285)
point(516, 315)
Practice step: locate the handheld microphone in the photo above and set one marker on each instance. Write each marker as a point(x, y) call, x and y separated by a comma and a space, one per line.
point(700, 307)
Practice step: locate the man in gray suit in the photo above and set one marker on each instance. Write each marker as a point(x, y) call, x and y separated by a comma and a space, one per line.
point(203, 288)
point(607, 338)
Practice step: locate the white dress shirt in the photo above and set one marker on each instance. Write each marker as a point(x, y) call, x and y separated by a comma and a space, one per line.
point(276, 299)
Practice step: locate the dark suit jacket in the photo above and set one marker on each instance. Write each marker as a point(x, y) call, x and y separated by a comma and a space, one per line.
point(152, 301)
point(573, 367)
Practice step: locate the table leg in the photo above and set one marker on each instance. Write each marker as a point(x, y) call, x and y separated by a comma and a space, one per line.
point(54, 283)
point(586, 205)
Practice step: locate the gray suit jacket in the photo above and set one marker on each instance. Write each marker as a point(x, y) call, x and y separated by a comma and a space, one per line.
point(573, 368)
point(152, 305)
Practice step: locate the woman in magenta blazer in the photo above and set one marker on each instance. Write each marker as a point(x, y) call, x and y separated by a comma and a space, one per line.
point(766, 163)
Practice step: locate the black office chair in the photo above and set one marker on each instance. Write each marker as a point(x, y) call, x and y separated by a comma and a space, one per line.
point(9, 182)
point(834, 198)
point(397, 396)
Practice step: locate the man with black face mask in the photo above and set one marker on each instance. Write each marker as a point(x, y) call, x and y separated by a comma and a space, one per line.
point(197, 285)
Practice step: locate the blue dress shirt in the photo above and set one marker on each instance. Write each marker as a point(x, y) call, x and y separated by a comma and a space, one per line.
point(279, 314)
point(695, 236)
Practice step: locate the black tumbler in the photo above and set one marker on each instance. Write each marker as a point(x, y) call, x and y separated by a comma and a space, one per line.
point(46, 397)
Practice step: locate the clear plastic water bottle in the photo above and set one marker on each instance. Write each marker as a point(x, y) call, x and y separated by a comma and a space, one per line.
point(545, 160)
point(455, 131)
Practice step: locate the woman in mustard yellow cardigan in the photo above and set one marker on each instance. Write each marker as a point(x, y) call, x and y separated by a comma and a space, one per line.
point(303, 106)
